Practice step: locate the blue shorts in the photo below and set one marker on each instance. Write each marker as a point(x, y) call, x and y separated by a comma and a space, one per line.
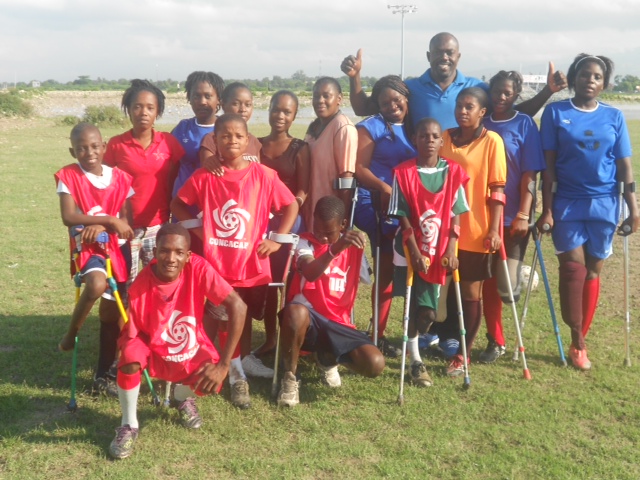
point(99, 264)
point(588, 222)
point(365, 220)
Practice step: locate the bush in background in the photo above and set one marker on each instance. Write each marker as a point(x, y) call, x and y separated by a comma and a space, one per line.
point(13, 105)
point(105, 116)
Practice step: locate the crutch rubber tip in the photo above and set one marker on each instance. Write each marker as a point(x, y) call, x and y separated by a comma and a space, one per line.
point(401, 400)
point(156, 402)
point(527, 375)
point(467, 383)
point(564, 363)
point(627, 362)
point(72, 406)
point(515, 357)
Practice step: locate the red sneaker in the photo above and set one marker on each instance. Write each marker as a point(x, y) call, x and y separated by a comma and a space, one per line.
point(579, 358)
point(456, 367)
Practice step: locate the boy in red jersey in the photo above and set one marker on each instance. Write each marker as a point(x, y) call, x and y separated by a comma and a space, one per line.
point(322, 293)
point(427, 195)
point(165, 332)
point(96, 196)
point(236, 208)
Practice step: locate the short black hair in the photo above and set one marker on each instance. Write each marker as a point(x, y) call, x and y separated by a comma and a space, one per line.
point(80, 128)
point(173, 229)
point(228, 118)
point(211, 78)
point(427, 121)
point(478, 93)
point(512, 75)
point(584, 58)
point(137, 86)
point(231, 89)
point(329, 208)
point(283, 93)
point(331, 80)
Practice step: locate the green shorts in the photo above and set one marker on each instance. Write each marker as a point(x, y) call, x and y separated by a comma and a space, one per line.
point(423, 293)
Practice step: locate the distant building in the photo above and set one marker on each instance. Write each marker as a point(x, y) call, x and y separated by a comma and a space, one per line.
point(35, 84)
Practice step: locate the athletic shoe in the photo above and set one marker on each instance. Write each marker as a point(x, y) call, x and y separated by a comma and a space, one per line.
point(289, 395)
point(189, 416)
point(105, 386)
point(122, 446)
point(427, 340)
point(388, 349)
point(113, 370)
point(253, 367)
point(419, 375)
point(492, 352)
point(456, 367)
point(579, 358)
point(240, 394)
point(449, 347)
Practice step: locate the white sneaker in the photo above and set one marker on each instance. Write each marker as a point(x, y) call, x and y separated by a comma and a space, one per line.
point(330, 375)
point(289, 396)
point(253, 367)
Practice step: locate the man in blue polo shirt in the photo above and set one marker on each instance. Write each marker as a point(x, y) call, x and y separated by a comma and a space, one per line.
point(434, 93)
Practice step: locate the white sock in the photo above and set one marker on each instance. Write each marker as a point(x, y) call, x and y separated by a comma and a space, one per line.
point(236, 372)
point(414, 350)
point(182, 392)
point(129, 405)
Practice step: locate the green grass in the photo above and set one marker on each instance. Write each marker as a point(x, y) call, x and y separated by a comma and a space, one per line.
point(563, 424)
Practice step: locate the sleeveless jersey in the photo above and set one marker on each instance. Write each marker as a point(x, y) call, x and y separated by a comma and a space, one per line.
point(334, 293)
point(430, 213)
point(97, 202)
point(235, 216)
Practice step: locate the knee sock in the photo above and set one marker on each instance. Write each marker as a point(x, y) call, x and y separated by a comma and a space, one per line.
point(236, 372)
point(182, 392)
point(384, 308)
point(414, 350)
point(472, 310)
point(109, 333)
point(128, 390)
point(492, 307)
point(590, 295)
point(572, 281)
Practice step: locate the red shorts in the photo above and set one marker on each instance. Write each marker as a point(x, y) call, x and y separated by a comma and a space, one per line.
point(135, 350)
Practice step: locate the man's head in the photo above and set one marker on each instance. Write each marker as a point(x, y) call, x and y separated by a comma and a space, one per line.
point(329, 219)
point(87, 147)
point(171, 251)
point(443, 56)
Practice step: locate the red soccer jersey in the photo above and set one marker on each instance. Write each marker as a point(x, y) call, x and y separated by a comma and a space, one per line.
point(97, 202)
point(235, 217)
point(150, 170)
point(168, 316)
point(430, 213)
point(334, 293)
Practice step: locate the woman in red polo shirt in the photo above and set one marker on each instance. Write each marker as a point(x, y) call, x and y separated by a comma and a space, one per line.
point(152, 159)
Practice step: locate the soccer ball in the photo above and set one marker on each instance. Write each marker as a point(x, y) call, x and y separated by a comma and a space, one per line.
point(525, 273)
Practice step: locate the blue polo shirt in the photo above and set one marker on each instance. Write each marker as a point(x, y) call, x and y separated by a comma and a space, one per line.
point(428, 100)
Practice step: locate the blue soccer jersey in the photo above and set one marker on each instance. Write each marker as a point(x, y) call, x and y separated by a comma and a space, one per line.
point(587, 145)
point(190, 134)
point(524, 153)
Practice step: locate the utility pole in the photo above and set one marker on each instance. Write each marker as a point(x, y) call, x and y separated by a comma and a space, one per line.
point(402, 9)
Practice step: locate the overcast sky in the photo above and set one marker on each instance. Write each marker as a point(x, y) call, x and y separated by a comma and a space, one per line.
point(62, 39)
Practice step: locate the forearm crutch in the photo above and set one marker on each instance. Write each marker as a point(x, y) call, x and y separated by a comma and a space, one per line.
point(72, 406)
point(463, 331)
point(349, 183)
point(103, 239)
point(290, 239)
point(514, 310)
point(405, 323)
point(625, 230)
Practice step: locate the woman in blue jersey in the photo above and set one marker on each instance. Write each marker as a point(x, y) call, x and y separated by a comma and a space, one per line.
point(524, 160)
point(588, 154)
point(383, 143)
point(204, 91)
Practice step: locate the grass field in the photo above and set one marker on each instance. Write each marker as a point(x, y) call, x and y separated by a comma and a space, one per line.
point(563, 424)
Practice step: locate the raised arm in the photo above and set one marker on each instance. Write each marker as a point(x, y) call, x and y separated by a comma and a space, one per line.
point(556, 81)
point(311, 268)
point(361, 104)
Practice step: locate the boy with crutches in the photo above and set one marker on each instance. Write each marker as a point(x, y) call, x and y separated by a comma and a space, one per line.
point(96, 196)
point(427, 196)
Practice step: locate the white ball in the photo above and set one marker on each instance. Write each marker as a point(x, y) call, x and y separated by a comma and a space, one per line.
point(525, 273)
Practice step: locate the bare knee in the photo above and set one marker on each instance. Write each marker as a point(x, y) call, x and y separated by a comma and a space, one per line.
point(130, 368)
point(95, 285)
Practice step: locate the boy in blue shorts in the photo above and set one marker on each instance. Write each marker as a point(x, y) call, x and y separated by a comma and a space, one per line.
point(96, 196)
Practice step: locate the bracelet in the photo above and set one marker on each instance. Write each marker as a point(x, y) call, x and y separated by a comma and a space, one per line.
point(331, 254)
point(522, 216)
point(300, 201)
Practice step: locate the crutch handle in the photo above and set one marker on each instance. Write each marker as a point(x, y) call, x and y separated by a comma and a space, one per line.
point(284, 238)
point(192, 223)
point(546, 227)
point(345, 183)
point(103, 237)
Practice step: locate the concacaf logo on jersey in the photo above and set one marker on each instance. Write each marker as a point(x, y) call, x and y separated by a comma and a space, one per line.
point(231, 222)
point(430, 227)
point(180, 336)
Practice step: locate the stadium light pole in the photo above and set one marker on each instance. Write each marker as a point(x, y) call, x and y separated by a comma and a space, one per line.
point(402, 9)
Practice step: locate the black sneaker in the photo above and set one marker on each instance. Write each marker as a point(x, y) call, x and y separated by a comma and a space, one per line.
point(388, 349)
point(113, 370)
point(122, 446)
point(189, 416)
point(105, 386)
point(492, 352)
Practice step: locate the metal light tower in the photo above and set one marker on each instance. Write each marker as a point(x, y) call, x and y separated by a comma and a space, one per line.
point(402, 9)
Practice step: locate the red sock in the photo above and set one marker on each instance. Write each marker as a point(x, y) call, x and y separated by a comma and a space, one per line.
point(492, 307)
point(384, 308)
point(590, 295)
point(128, 381)
point(572, 280)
